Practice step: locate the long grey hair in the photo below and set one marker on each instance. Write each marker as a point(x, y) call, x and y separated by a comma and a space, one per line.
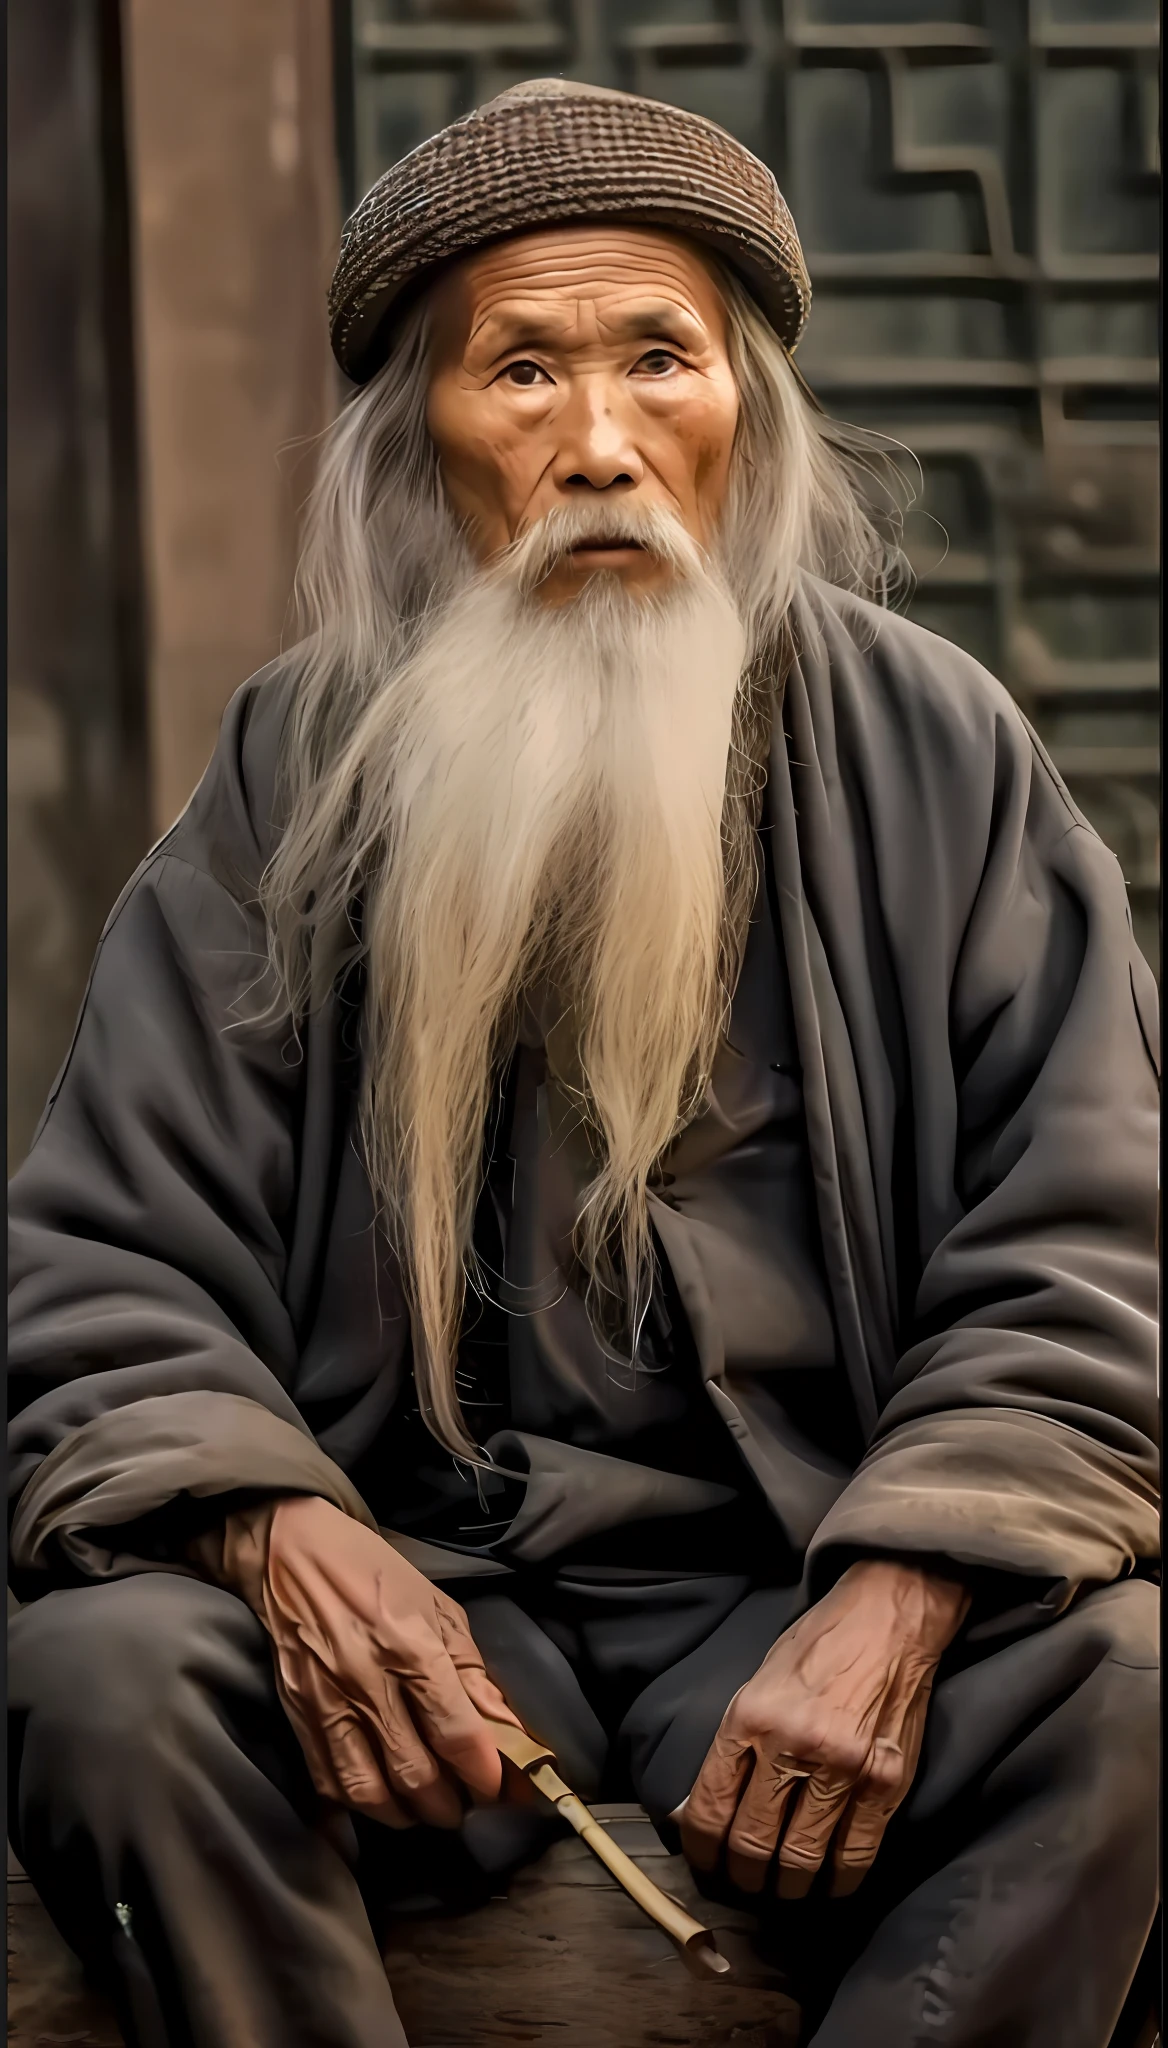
point(516, 798)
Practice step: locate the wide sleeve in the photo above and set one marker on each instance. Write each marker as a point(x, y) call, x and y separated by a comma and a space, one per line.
point(1018, 1428)
point(151, 1349)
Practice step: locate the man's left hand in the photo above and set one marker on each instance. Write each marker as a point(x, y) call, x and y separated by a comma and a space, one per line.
point(825, 1737)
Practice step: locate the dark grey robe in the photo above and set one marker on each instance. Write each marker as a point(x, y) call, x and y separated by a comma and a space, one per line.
point(628, 1469)
point(201, 1305)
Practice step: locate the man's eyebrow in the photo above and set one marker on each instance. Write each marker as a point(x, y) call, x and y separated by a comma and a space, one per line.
point(508, 327)
point(662, 320)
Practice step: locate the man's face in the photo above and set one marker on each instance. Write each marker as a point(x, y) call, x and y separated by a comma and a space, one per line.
point(577, 366)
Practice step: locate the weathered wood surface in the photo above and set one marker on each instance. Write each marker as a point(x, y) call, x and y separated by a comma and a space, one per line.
point(565, 1960)
point(48, 2001)
point(562, 1960)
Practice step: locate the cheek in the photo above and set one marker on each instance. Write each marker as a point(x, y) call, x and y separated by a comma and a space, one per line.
point(485, 456)
point(703, 434)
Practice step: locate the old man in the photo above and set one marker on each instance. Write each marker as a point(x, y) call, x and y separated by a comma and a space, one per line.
point(606, 1176)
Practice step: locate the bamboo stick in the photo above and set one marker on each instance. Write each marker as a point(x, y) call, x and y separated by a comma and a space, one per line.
point(698, 1948)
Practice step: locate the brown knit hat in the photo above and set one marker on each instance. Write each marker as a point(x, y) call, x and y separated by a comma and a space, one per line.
point(549, 152)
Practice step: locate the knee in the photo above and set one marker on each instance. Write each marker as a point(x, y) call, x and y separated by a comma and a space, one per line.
point(666, 1735)
point(113, 1671)
point(1128, 1614)
point(1128, 1721)
point(1122, 1695)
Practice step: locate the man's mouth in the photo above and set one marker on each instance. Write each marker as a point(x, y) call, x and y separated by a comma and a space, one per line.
point(606, 546)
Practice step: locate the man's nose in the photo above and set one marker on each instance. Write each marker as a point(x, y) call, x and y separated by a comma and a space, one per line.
point(596, 451)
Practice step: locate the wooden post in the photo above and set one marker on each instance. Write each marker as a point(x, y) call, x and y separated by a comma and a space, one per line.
point(236, 217)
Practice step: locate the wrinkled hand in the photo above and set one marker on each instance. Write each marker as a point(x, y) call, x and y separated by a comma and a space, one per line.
point(827, 1733)
point(377, 1670)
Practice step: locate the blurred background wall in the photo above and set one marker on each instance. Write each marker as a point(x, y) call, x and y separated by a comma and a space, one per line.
point(173, 215)
point(977, 187)
point(78, 802)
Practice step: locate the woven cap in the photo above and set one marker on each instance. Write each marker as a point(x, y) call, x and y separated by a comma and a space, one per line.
point(553, 152)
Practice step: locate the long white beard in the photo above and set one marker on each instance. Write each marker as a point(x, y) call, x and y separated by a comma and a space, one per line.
point(542, 797)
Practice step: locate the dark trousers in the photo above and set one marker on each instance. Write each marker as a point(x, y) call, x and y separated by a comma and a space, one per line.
point(161, 1806)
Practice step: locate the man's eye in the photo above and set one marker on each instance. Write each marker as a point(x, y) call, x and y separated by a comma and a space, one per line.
point(658, 362)
point(525, 373)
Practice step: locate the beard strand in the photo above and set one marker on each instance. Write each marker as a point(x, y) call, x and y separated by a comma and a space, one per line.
point(558, 796)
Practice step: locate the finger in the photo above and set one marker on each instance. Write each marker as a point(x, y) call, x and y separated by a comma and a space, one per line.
point(340, 1759)
point(467, 1659)
point(301, 1685)
point(411, 1770)
point(705, 1817)
point(362, 1782)
point(518, 1789)
point(875, 1801)
point(316, 1756)
point(816, 1815)
point(756, 1826)
point(891, 1769)
point(453, 1726)
point(486, 1699)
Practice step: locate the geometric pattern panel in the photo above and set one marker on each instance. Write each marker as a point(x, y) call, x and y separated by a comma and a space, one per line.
point(976, 185)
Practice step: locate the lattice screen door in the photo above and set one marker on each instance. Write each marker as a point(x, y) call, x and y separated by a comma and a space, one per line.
point(976, 183)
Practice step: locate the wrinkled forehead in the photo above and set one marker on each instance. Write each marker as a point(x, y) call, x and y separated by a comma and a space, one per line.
point(580, 283)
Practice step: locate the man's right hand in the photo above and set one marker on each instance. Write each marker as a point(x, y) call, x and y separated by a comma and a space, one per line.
point(377, 1670)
